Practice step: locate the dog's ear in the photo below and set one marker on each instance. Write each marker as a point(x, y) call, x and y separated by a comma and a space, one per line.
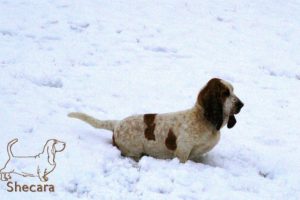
point(50, 145)
point(211, 99)
point(231, 121)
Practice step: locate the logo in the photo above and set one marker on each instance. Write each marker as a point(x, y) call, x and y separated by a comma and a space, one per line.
point(39, 165)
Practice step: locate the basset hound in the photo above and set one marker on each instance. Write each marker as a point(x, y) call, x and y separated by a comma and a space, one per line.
point(185, 134)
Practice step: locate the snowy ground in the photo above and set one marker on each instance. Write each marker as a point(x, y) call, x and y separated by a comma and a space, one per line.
point(113, 59)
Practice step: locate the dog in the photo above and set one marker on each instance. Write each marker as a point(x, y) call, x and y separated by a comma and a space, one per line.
point(185, 134)
point(40, 165)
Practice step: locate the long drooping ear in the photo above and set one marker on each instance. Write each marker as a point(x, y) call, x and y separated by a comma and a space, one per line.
point(231, 121)
point(51, 151)
point(211, 100)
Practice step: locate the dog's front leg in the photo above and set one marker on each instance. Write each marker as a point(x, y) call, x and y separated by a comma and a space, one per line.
point(42, 175)
point(183, 151)
point(45, 175)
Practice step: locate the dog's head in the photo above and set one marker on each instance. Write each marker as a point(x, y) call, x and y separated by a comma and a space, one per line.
point(219, 102)
point(52, 146)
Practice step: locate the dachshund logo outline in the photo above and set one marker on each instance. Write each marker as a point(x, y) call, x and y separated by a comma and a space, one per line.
point(40, 165)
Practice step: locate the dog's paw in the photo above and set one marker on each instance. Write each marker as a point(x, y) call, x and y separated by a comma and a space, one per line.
point(42, 179)
point(5, 176)
point(8, 176)
point(45, 178)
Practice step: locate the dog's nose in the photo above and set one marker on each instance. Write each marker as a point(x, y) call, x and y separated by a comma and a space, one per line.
point(240, 104)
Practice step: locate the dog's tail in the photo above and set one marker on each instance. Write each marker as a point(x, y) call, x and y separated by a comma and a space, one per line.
point(105, 124)
point(10, 154)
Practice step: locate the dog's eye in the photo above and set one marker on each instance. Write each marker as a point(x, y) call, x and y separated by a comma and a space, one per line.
point(226, 93)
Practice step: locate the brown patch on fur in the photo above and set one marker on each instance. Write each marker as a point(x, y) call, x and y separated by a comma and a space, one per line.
point(171, 141)
point(212, 98)
point(150, 126)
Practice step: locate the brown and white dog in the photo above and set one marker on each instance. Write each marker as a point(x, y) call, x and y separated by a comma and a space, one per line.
point(186, 134)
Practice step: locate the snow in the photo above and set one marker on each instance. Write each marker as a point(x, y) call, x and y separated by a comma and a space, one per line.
point(113, 59)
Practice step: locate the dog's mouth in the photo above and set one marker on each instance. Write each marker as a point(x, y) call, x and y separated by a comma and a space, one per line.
point(237, 110)
point(232, 121)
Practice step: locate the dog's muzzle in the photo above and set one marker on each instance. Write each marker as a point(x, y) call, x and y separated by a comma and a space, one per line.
point(238, 106)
